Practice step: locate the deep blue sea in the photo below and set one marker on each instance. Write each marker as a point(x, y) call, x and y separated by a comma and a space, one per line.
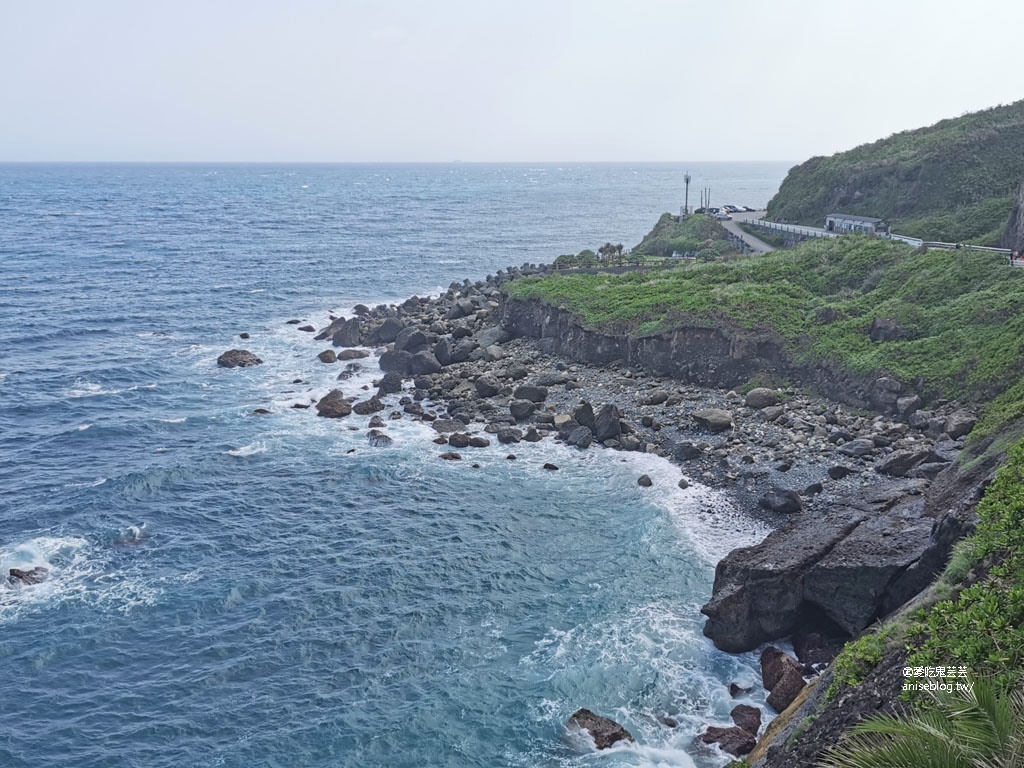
point(237, 590)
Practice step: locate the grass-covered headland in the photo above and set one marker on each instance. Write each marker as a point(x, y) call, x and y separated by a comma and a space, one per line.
point(960, 313)
point(953, 181)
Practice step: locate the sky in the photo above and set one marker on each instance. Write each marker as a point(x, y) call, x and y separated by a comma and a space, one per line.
point(491, 80)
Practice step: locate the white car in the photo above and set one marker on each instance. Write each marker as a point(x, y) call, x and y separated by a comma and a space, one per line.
point(722, 216)
point(732, 209)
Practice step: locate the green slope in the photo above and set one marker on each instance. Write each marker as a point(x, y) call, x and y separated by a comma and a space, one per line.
point(951, 181)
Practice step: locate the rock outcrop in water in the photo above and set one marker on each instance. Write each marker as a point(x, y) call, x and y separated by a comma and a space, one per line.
point(602, 730)
point(37, 575)
point(238, 358)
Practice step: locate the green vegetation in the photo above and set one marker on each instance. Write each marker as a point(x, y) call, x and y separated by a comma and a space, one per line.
point(696, 234)
point(857, 659)
point(982, 627)
point(950, 181)
point(961, 311)
point(961, 729)
point(585, 258)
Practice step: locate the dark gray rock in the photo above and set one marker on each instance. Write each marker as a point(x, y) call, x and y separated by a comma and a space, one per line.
point(487, 386)
point(862, 446)
point(327, 356)
point(458, 440)
point(607, 423)
point(531, 392)
point(37, 575)
point(352, 354)
point(584, 415)
point(783, 500)
point(581, 437)
point(760, 397)
point(390, 384)
point(410, 339)
point(333, 405)
point(786, 690)
point(655, 397)
point(521, 409)
point(687, 451)
point(366, 407)
point(644, 481)
point(238, 358)
point(397, 362)
point(747, 717)
point(733, 740)
point(774, 663)
point(378, 439)
point(508, 435)
point(848, 566)
point(899, 463)
point(602, 730)
point(959, 424)
point(447, 425)
point(347, 333)
point(388, 331)
point(838, 472)
point(451, 456)
point(713, 419)
point(424, 362)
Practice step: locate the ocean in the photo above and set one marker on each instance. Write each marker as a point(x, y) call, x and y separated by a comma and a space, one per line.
point(229, 589)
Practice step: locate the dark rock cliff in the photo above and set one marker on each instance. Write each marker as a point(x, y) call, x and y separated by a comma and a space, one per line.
point(1013, 236)
point(705, 356)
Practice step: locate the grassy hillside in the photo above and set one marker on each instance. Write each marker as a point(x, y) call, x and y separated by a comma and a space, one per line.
point(962, 312)
point(951, 181)
point(700, 234)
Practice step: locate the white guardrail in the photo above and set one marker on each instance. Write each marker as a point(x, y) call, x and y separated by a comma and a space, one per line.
point(915, 241)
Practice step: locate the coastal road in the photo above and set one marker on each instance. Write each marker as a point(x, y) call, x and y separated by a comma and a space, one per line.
point(758, 246)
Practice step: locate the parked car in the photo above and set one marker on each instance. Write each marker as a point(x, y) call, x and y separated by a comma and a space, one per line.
point(722, 216)
point(732, 209)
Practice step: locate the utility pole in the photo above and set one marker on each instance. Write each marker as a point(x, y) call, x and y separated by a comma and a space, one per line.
point(686, 204)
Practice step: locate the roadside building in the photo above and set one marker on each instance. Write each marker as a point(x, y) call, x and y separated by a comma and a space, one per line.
point(848, 222)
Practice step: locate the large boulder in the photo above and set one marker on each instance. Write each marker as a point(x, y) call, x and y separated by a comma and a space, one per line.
point(733, 740)
point(713, 419)
point(607, 424)
point(487, 386)
point(602, 730)
point(862, 446)
point(347, 334)
point(410, 339)
point(786, 690)
point(238, 358)
point(521, 409)
point(774, 663)
point(850, 565)
point(333, 405)
point(899, 463)
point(366, 407)
point(783, 500)
point(747, 717)
point(581, 437)
point(531, 392)
point(390, 384)
point(397, 361)
point(760, 397)
point(959, 424)
point(424, 362)
point(17, 576)
point(583, 414)
point(388, 330)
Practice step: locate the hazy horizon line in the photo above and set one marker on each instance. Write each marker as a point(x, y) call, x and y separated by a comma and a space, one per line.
point(387, 162)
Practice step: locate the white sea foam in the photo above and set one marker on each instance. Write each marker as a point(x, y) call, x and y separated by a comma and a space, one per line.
point(258, 290)
point(77, 571)
point(178, 420)
point(91, 484)
point(249, 450)
point(83, 427)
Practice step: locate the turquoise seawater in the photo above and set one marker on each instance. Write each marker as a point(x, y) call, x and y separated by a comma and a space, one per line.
point(238, 590)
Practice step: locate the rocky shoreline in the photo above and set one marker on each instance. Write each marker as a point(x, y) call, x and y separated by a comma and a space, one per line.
point(846, 490)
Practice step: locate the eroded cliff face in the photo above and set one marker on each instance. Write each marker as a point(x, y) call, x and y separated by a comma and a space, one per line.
point(1013, 237)
point(705, 356)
